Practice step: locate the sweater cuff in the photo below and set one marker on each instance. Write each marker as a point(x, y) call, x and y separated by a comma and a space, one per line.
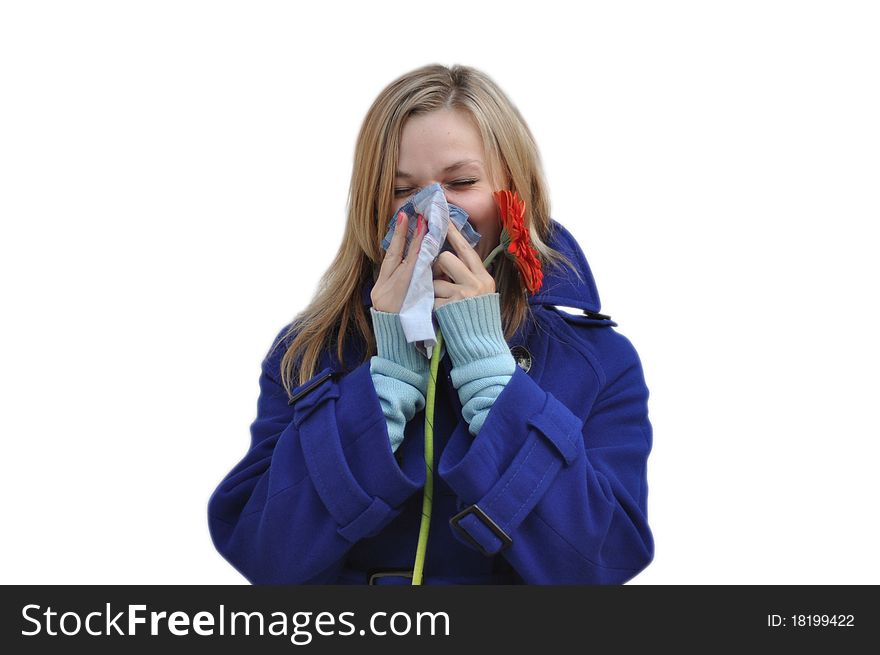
point(472, 328)
point(391, 343)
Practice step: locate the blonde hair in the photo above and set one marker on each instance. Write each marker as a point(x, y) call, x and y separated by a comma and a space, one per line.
point(337, 310)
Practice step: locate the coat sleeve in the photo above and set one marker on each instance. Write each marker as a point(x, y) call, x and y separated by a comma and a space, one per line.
point(563, 499)
point(318, 477)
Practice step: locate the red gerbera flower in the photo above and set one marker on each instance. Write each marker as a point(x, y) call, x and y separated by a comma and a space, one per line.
point(516, 240)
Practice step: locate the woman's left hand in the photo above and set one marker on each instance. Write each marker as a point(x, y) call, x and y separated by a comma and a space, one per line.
point(464, 276)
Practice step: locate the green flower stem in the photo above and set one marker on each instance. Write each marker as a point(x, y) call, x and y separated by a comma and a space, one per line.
point(428, 497)
point(499, 248)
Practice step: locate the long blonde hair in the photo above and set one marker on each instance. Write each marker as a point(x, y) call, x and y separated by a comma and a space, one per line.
point(337, 309)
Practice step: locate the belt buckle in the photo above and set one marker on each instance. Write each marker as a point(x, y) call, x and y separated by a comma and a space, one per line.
point(404, 573)
point(489, 523)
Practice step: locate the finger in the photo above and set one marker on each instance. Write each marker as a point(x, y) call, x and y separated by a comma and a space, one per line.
point(412, 253)
point(439, 302)
point(463, 249)
point(395, 249)
point(452, 266)
point(418, 236)
point(437, 272)
point(443, 289)
point(398, 240)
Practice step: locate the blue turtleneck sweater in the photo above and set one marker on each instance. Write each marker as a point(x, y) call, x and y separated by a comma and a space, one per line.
point(481, 362)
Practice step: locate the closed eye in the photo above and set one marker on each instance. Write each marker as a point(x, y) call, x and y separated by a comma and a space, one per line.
point(464, 183)
point(459, 183)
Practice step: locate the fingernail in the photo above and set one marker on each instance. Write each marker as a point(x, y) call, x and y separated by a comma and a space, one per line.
point(399, 217)
point(421, 222)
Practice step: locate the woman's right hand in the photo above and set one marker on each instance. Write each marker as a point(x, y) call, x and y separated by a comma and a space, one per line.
point(396, 272)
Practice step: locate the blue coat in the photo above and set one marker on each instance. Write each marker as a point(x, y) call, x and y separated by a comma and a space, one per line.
point(552, 491)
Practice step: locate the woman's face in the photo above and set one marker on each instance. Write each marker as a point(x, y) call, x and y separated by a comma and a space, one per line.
point(444, 146)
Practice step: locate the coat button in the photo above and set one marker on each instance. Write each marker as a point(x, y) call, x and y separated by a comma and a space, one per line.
point(522, 356)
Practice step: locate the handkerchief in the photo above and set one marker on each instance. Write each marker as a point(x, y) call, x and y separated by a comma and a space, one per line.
point(417, 313)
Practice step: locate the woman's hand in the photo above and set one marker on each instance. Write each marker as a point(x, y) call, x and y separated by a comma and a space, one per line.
point(456, 278)
point(396, 272)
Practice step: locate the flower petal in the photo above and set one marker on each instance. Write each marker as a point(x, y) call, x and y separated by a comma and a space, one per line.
point(512, 210)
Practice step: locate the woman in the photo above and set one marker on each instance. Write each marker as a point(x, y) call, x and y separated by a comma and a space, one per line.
point(541, 430)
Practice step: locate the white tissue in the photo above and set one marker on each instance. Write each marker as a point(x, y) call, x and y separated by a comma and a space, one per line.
point(417, 313)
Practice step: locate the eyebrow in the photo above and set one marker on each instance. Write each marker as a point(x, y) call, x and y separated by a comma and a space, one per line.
point(451, 167)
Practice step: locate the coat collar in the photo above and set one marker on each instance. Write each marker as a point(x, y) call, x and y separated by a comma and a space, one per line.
point(560, 286)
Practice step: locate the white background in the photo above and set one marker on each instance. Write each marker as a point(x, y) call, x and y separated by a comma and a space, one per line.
point(173, 179)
